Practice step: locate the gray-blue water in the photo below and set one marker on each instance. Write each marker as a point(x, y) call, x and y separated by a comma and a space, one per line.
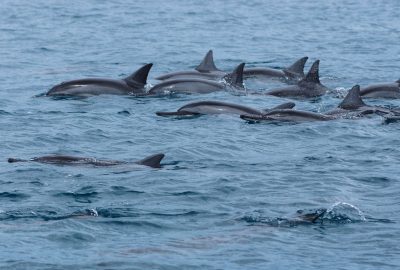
point(226, 188)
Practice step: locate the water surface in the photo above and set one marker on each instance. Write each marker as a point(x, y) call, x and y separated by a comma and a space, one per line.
point(225, 182)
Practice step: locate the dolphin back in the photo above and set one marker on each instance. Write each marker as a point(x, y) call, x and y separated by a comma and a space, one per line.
point(286, 105)
point(152, 161)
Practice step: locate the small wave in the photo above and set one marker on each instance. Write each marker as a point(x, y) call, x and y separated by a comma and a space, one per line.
point(186, 193)
point(342, 212)
point(13, 196)
point(28, 214)
point(124, 112)
point(84, 195)
point(63, 97)
point(46, 215)
point(117, 212)
point(85, 212)
point(120, 190)
point(72, 238)
point(339, 92)
point(43, 94)
point(142, 223)
point(4, 112)
point(14, 215)
point(45, 49)
point(190, 213)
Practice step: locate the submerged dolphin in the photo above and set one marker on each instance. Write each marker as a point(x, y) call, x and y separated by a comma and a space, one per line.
point(195, 85)
point(308, 87)
point(383, 90)
point(218, 107)
point(206, 70)
point(133, 84)
point(294, 72)
point(151, 161)
point(302, 217)
point(339, 213)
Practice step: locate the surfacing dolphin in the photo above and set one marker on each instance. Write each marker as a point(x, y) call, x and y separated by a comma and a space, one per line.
point(353, 106)
point(151, 161)
point(206, 70)
point(308, 87)
point(302, 217)
point(131, 85)
point(293, 73)
point(338, 213)
point(382, 90)
point(218, 107)
point(286, 115)
point(234, 81)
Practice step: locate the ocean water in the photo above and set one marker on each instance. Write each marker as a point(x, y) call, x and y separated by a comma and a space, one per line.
point(228, 193)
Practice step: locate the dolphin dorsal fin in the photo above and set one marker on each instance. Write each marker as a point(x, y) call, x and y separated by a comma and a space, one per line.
point(152, 161)
point(313, 73)
point(236, 77)
point(207, 64)
point(139, 77)
point(352, 100)
point(297, 67)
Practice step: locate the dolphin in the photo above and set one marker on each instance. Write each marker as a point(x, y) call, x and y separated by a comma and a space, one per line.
point(308, 87)
point(206, 70)
point(151, 161)
point(353, 106)
point(286, 115)
point(218, 107)
point(133, 84)
point(295, 72)
point(302, 217)
point(233, 81)
point(382, 90)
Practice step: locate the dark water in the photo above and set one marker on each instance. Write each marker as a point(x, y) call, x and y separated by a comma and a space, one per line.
point(228, 192)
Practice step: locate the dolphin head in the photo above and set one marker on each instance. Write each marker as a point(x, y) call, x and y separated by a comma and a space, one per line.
point(311, 215)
